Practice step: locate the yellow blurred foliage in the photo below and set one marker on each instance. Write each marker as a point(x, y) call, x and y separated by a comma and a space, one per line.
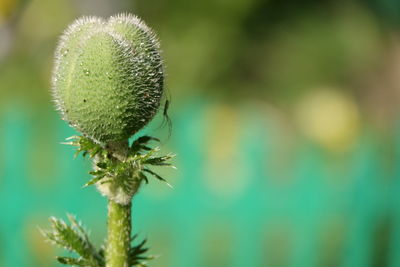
point(329, 117)
point(42, 251)
point(6, 9)
point(226, 175)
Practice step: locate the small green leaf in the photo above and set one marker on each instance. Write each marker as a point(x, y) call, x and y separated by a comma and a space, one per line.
point(72, 261)
point(93, 181)
point(136, 254)
point(85, 145)
point(145, 139)
point(143, 177)
point(155, 175)
point(158, 177)
point(102, 165)
point(140, 144)
point(73, 238)
point(159, 160)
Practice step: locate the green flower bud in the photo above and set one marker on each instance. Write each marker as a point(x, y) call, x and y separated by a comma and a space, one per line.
point(108, 77)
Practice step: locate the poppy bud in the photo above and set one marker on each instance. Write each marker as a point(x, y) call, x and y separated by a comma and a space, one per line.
point(108, 77)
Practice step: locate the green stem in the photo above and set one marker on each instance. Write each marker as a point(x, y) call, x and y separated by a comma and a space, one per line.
point(119, 234)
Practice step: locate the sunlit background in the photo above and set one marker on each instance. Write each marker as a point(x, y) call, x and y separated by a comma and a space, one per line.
point(285, 122)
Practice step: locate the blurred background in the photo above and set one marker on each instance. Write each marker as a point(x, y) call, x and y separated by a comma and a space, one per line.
point(285, 121)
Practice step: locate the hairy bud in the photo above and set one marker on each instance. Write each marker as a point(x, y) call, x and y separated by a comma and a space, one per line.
point(108, 77)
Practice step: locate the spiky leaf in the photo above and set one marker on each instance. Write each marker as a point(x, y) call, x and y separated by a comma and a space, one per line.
point(73, 238)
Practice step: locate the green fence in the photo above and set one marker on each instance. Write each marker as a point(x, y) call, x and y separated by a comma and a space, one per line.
point(241, 197)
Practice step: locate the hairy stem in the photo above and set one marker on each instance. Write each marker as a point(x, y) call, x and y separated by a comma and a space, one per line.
point(119, 235)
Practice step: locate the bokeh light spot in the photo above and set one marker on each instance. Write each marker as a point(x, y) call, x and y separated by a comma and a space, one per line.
point(330, 118)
